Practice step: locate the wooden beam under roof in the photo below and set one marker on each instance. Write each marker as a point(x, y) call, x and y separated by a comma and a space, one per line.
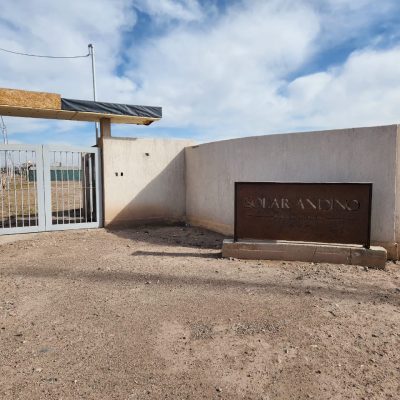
point(22, 103)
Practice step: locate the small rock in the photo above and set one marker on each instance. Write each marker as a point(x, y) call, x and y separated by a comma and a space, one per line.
point(44, 350)
point(147, 282)
point(366, 269)
point(38, 369)
point(218, 389)
point(333, 313)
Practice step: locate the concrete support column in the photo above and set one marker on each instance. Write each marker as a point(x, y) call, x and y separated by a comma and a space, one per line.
point(105, 132)
point(105, 128)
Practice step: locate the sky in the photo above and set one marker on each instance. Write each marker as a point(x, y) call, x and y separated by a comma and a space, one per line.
point(220, 69)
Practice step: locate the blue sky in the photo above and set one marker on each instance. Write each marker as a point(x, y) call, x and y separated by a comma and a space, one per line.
point(220, 69)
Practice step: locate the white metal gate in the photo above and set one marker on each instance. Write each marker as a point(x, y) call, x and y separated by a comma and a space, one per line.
point(49, 188)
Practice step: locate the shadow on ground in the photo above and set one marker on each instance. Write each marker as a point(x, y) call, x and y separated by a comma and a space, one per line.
point(363, 293)
point(171, 235)
point(175, 254)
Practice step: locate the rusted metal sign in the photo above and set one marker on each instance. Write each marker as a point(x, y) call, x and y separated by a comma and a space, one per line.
point(309, 212)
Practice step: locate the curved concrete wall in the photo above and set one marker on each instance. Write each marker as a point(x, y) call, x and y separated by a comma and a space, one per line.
point(174, 179)
point(346, 155)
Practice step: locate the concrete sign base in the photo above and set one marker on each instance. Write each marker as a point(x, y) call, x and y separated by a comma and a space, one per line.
point(374, 257)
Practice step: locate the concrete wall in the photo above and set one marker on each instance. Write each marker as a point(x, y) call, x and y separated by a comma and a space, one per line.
point(152, 187)
point(346, 155)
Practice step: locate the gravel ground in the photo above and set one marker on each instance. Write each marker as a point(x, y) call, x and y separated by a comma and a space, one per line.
point(154, 313)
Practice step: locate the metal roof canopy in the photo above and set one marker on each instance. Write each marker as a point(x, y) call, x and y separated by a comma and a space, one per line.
point(21, 103)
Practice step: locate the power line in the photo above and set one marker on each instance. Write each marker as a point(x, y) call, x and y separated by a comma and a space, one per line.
point(41, 56)
point(3, 126)
point(89, 54)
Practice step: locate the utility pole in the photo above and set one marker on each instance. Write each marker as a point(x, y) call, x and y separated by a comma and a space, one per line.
point(91, 53)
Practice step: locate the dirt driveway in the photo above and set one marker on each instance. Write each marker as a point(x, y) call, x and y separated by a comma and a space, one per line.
point(154, 313)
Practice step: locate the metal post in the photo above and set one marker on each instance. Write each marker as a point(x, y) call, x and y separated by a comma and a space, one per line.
point(91, 52)
point(4, 130)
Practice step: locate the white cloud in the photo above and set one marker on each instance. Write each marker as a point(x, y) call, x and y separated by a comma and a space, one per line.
point(231, 70)
point(166, 10)
point(364, 91)
point(64, 28)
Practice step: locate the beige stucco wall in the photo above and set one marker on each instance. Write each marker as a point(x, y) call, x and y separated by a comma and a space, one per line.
point(152, 188)
point(345, 155)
